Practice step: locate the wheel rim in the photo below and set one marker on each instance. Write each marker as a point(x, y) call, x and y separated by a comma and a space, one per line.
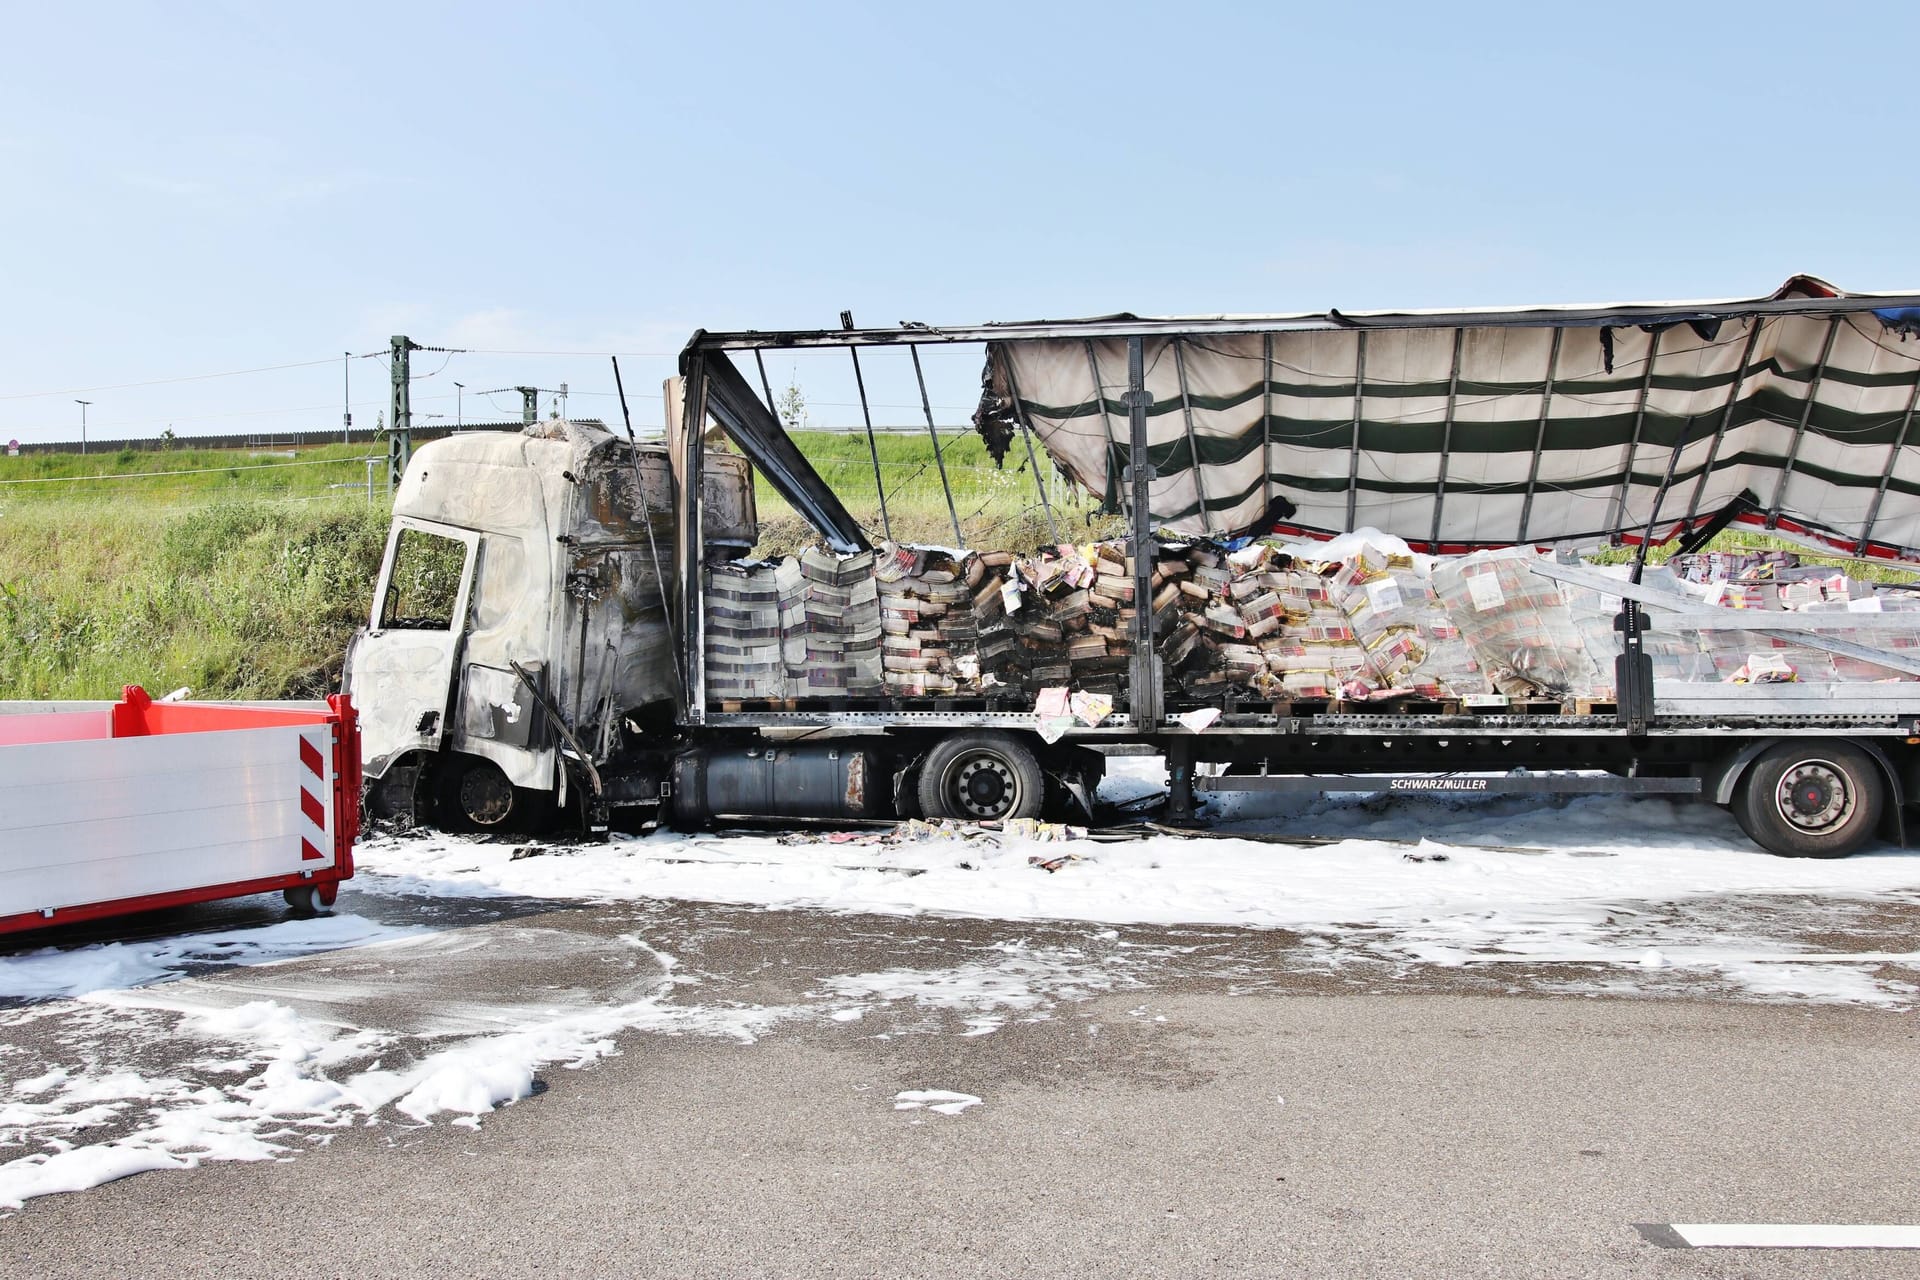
point(1813, 796)
point(486, 797)
point(983, 785)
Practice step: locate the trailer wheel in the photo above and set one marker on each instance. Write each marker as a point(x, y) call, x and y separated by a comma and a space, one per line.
point(306, 900)
point(981, 777)
point(1817, 800)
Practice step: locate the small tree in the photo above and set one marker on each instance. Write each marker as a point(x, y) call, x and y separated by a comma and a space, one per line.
point(792, 407)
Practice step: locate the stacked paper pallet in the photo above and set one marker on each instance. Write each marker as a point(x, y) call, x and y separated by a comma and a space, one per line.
point(929, 636)
point(1255, 621)
point(843, 626)
point(745, 657)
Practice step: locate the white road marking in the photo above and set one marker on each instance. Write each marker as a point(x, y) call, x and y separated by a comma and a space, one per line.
point(1680, 957)
point(1785, 1235)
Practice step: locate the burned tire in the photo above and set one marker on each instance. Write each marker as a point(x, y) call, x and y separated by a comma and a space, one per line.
point(472, 794)
point(1819, 800)
point(981, 777)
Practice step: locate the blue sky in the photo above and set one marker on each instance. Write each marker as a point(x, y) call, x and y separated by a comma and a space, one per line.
point(197, 188)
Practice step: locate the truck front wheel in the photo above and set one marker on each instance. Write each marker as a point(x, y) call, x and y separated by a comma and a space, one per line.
point(472, 794)
point(981, 777)
point(1822, 799)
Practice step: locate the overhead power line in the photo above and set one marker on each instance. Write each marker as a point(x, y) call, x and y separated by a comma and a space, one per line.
point(602, 355)
point(161, 382)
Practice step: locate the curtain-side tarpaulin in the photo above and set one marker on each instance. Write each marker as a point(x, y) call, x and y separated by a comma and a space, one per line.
point(1538, 430)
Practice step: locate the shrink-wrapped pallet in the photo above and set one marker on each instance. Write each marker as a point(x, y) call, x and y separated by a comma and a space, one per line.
point(1518, 623)
point(1675, 653)
point(744, 657)
point(843, 625)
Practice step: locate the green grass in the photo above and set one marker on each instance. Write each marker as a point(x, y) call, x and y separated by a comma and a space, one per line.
point(997, 506)
point(243, 580)
point(185, 475)
point(234, 599)
point(1744, 540)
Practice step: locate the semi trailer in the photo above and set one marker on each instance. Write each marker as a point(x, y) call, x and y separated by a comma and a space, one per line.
point(541, 638)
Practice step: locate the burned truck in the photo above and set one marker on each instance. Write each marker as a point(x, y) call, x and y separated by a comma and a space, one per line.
point(567, 622)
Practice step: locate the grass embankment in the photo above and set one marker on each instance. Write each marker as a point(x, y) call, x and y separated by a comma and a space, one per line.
point(1747, 540)
point(187, 475)
point(998, 507)
point(233, 600)
point(241, 577)
point(228, 571)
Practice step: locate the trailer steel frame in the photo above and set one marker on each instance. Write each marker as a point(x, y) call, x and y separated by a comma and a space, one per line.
point(1690, 723)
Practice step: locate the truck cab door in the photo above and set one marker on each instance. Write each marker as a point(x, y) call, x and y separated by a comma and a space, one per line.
point(400, 669)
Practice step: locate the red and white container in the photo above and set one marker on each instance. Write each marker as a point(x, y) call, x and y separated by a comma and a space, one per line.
point(136, 805)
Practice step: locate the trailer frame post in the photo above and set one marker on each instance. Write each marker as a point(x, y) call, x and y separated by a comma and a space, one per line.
point(1633, 669)
point(1359, 408)
point(1618, 516)
point(1726, 420)
point(1116, 486)
point(933, 433)
point(1026, 437)
point(1817, 376)
point(1180, 805)
point(766, 386)
point(1886, 474)
point(873, 445)
point(1143, 678)
point(1540, 436)
point(692, 552)
point(1193, 440)
point(1266, 423)
point(1446, 440)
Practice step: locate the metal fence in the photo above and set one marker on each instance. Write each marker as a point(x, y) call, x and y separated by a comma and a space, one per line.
point(258, 440)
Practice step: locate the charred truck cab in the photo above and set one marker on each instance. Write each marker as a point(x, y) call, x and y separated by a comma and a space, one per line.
point(519, 660)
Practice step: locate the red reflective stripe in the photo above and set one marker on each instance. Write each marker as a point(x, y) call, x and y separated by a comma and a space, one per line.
point(310, 757)
point(308, 853)
point(311, 806)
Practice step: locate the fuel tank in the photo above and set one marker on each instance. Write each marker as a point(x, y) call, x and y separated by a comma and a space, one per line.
point(806, 780)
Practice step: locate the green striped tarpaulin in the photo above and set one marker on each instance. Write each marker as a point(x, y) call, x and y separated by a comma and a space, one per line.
point(1527, 430)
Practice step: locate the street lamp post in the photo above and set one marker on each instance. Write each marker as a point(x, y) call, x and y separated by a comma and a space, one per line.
point(459, 401)
point(83, 423)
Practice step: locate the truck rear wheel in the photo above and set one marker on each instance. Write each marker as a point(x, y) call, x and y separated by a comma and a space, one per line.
point(981, 777)
point(1822, 799)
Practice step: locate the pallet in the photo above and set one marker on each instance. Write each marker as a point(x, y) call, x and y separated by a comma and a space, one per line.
point(756, 704)
point(1595, 707)
point(1394, 707)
